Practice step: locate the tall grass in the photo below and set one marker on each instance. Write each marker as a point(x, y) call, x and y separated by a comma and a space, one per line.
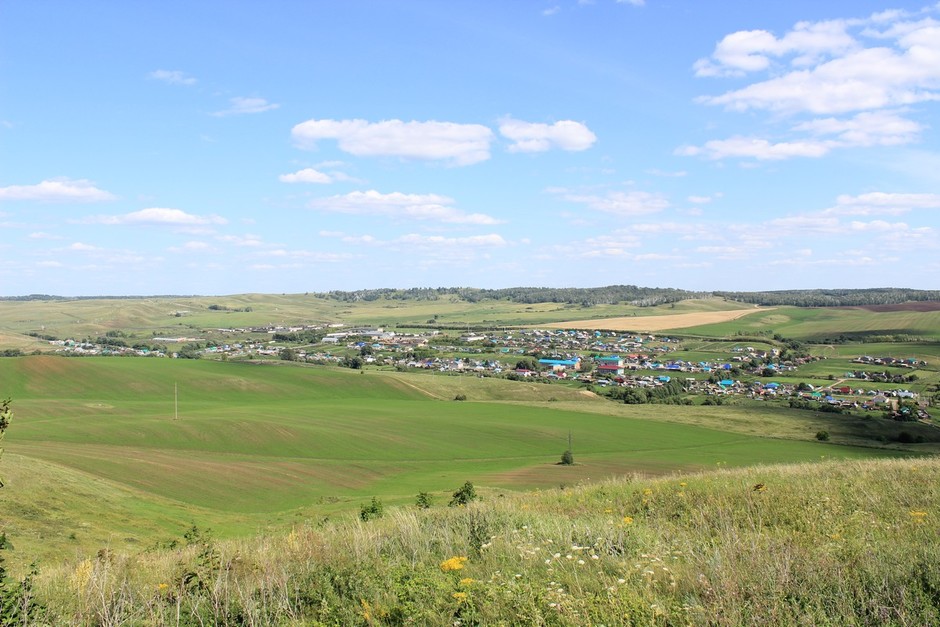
point(833, 543)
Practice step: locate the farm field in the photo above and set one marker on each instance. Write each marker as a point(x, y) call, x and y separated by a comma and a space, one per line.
point(819, 323)
point(656, 323)
point(256, 446)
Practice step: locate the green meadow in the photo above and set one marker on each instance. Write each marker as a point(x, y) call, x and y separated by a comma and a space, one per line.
point(816, 323)
point(242, 446)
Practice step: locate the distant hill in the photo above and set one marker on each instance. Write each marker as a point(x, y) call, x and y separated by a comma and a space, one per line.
point(587, 296)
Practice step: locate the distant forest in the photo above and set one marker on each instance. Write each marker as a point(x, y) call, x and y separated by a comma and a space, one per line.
point(646, 296)
point(609, 295)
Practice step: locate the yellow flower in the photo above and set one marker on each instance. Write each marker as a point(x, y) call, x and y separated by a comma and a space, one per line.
point(454, 563)
point(460, 596)
point(163, 587)
point(466, 581)
point(647, 492)
point(918, 517)
point(682, 484)
point(628, 520)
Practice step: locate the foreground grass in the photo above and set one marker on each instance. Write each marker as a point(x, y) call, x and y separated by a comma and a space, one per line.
point(833, 543)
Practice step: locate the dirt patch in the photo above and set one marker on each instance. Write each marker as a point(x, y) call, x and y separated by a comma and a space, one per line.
point(919, 306)
point(657, 323)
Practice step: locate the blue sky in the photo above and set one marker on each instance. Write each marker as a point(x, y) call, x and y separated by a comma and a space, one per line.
point(228, 147)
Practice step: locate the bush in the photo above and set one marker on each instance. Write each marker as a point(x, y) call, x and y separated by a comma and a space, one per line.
point(567, 458)
point(463, 495)
point(372, 510)
point(460, 397)
point(423, 500)
point(822, 436)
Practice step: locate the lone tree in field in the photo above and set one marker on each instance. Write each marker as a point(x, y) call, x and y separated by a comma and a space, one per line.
point(567, 458)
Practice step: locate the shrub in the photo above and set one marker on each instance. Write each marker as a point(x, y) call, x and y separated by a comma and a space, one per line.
point(822, 436)
point(372, 510)
point(567, 458)
point(460, 397)
point(423, 500)
point(463, 495)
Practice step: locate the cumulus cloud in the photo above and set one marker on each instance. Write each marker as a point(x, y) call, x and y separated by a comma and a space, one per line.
point(622, 203)
point(882, 203)
point(755, 148)
point(457, 144)
point(57, 190)
point(157, 216)
point(173, 77)
point(854, 78)
point(535, 137)
point(400, 205)
point(307, 175)
point(241, 105)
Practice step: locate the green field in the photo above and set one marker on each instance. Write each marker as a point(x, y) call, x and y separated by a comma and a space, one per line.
point(262, 445)
point(816, 323)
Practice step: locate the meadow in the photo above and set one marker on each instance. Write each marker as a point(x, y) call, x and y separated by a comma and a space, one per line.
point(261, 445)
point(832, 543)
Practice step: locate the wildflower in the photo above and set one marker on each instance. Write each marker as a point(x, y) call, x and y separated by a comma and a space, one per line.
point(581, 562)
point(628, 520)
point(466, 581)
point(460, 596)
point(454, 563)
point(647, 492)
point(918, 517)
point(760, 487)
point(682, 484)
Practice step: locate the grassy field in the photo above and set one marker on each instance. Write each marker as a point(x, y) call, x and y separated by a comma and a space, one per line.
point(848, 543)
point(815, 323)
point(266, 445)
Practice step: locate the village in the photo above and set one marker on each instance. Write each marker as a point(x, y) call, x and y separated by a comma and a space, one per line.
point(595, 359)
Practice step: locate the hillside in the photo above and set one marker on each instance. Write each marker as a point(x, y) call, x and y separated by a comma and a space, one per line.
point(836, 543)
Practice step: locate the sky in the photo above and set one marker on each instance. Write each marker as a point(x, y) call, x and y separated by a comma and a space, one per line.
point(303, 146)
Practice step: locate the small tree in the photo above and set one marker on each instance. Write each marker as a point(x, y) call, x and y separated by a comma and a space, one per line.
point(423, 500)
point(822, 436)
point(463, 495)
point(375, 509)
point(567, 458)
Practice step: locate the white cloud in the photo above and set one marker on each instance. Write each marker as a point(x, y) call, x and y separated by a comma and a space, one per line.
point(241, 105)
point(249, 240)
point(755, 148)
point(622, 203)
point(459, 144)
point(835, 72)
point(157, 216)
point(173, 77)
point(636, 3)
point(42, 235)
point(79, 246)
point(862, 74)
point(870, 128)
point(57, 190)
point(414, 239)
point(399, 205)
point(551, 11)
point(883, 203)
point(307, 175)
point(535, 137)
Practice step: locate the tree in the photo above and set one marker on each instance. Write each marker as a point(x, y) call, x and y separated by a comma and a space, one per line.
point(463, 495)
point(288, 354)
point(567, 458)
